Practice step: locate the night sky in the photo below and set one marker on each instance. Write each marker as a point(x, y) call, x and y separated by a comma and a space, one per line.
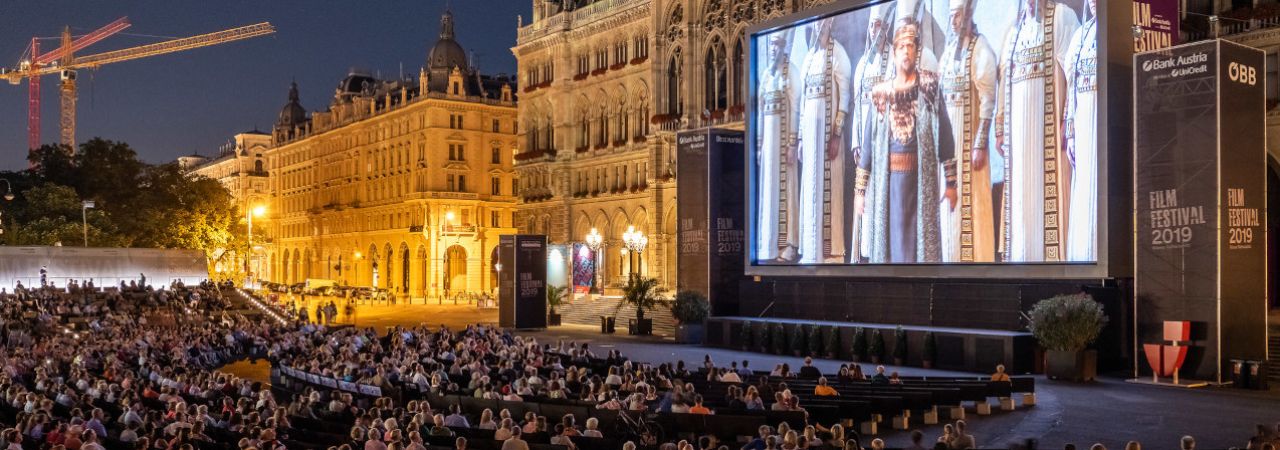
point(188, 102)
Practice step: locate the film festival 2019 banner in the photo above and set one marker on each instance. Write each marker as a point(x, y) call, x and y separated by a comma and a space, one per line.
point(1199, 144)
point(1158, 20)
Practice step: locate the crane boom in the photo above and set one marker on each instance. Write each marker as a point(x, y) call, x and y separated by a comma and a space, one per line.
point(176, 45)
point(84, 41)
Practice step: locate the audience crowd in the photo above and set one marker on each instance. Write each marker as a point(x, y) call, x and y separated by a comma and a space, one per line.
point(136, 368)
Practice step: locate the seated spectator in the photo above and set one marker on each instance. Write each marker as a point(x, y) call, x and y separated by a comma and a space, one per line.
point(893, 378)
point(1000, 375)
point(729, 376)
point(698, 408)
point(592, 430)
point(808, 370)
point(963, 440)
point(879, 378)
point(917, 441)
point(823, 390)
point(1187, 443)
point(515, 442)
point(455, 418)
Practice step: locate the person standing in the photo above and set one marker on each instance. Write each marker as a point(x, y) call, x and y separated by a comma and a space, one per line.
point(779, 107)
point(899, 176)
point(968, 77)
point(823, 108)
point(873, 68)
point(44, 276)
point(1028, 130)
point(1080, 126)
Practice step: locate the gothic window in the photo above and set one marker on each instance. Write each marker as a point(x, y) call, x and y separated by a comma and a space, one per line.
point(716, 89)
point(739, 77)
point(675, 106)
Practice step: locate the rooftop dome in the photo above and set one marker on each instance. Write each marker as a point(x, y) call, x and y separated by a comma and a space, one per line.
point(293, 113)
point(356, 82)
point(447, 53)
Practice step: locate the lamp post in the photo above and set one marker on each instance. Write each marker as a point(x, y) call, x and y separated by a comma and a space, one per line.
point(447, 218)
point(595, 242)
point(84, 216)
point(635, 241)
point(8, 196)
point(255, 211)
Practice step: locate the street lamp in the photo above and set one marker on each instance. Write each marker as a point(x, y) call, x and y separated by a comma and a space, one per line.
point(444, 271)
point(595, 241)
point(255, 211)
point(8, 196)
point(635, 242)
point(84, 216)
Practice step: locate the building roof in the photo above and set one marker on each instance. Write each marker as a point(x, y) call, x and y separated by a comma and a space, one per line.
point(293, 113)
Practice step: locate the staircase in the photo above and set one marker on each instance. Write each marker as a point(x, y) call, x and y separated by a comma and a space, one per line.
point(1273, 362)
point(587, 309)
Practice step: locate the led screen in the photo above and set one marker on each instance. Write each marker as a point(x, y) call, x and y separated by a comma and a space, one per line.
point(928, 132)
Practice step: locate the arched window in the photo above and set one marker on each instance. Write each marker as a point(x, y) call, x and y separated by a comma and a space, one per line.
point(716, 72)
point(739, 77)
point(675, 105)
point(257, 166)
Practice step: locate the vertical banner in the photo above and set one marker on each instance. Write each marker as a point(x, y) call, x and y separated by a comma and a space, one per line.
point(1158, 21)
point(711, 212)
point(584, 268)
point(522, 295)
point(1242, 201)
point(1200, 186)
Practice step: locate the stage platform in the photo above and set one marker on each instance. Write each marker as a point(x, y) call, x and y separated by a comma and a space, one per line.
point(963, 349)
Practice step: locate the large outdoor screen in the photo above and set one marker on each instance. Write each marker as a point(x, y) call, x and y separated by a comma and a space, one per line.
point(928, 132)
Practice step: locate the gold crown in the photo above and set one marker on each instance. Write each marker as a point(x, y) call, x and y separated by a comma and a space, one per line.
point(907, 30)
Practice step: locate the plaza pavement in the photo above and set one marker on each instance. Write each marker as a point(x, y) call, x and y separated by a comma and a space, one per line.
point(1110, 411)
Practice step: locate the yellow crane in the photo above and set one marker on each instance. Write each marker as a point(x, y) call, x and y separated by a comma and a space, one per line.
point(63, 61)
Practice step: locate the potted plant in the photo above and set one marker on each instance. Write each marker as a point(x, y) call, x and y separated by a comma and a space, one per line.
point(778, 337)
point(796, 344)
point(760, 336)
point(832, 335)
point(899, 346)
point(1065, 325)
point(876, 348)
point(745, 335)
point(690, 309)
point(814, 337)
point(555, 296)
point(642, 293)
point(859, 344)
point(930, 349)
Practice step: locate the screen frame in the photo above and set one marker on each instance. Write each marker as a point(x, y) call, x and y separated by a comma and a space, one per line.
point(1115, 213)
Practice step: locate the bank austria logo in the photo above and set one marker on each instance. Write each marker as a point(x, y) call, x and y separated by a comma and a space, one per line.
point(1243, 74)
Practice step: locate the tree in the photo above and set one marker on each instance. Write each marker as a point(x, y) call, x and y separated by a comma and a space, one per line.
point(644, 293)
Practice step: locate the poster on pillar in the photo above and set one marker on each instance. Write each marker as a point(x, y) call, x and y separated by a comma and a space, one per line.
point(1199, 139)
point(711, 215)
point(584, 268)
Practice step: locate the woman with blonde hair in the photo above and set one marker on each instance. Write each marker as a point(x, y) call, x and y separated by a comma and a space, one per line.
point(1133, 445)
point(791, 440)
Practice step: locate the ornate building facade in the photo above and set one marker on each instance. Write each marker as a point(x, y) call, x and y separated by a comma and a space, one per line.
point(241, 167)
point(608, 84)
point(402, 185)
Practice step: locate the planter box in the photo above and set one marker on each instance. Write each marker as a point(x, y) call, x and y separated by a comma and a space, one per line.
point(690, 334)
point(553, 320)
point(640, 327)
point(1074, 366)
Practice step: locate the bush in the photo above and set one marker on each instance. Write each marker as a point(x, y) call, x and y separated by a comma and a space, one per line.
point(899, 344)
point(778, 338)
point(832, 335)
point(690, 308)
point(1066, 322)
point(760, 336)
point(930, 347)
point(815, 340)
point(859, 344)
point(876, 349)
point(796, 344)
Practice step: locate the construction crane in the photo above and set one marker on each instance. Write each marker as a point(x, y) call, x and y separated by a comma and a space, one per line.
point(63, 61)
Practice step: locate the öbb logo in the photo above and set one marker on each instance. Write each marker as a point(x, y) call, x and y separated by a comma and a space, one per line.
point(1243, 74)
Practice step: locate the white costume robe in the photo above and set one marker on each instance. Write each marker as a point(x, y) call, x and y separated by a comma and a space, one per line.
point(969, 87)
point(778, 113)
point(1030, 63)
point(823, 107)
point(873, 68)
point(1082, 143)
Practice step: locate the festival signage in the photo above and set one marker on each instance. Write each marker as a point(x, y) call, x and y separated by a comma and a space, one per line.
point(1158, 20)
point(522, 295)
point(711, 215)
point(1200, 186)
